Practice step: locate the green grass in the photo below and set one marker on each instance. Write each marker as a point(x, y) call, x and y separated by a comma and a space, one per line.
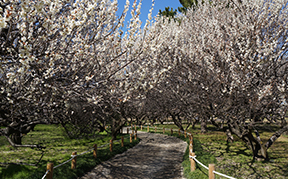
point(58, 149)
point(233, 159)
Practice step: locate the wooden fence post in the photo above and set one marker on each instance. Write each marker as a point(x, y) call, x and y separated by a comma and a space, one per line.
point(191, 146)
point(155, 129)
point(171, 131)
point(192, 162)
point(95, 151)
point(141, 127)
point(191, 139)
point(211, 169)
point(190, 136)
point(130, 138)
point(179, 132)
point(185, 134)
point(111, 145)
point(73, 162)
point(147, 128)
point(122, 141)
point(135, 126)
point(50, 172)
point(127, 130)
point(135, 136)
point(132, 132)
point(163, 130)
point(191, 142)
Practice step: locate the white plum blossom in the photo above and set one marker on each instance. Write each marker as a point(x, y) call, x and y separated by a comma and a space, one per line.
point(61, 54)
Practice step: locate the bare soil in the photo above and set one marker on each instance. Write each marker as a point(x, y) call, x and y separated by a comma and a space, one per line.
point(156, 156)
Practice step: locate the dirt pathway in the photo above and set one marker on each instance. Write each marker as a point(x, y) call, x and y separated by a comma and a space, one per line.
point(156, 156)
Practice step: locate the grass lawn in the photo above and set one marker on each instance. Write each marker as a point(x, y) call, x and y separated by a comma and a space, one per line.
point(58, 149)
point(233, 159)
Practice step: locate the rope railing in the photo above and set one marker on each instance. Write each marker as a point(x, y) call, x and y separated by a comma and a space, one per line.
point(192, 155)
point(194, 158)
point(45, 174)
point(63, 163)
point(204, 166)
point(50, 167)
point(223, 175)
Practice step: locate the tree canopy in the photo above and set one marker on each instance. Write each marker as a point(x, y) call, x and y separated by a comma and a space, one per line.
point(70, 63)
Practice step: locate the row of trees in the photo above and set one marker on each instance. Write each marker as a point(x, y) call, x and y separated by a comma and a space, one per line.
point(233, 68)
point(70, 63)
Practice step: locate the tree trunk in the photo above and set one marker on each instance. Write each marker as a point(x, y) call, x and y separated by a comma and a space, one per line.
point(259, 150)
point(230, 138)
point(177, 122)
point(203, 126)
point(275, 136)
point(187, 126)
point(117, 122)
point(16, 138)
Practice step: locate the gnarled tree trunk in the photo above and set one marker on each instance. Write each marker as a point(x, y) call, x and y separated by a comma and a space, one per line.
point(203, 126)
point(16, 138)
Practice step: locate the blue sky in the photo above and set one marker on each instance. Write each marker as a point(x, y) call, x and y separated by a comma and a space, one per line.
point(146, 5)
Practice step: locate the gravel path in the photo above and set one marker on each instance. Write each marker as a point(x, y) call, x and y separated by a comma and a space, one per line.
point(156, 156)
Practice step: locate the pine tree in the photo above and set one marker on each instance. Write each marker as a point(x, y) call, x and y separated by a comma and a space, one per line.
point(168, 13)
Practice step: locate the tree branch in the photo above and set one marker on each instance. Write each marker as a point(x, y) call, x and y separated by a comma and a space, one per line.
point(275, 136)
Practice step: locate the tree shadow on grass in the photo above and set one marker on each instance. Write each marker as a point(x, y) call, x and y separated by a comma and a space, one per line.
point(213, 128)
point(9, 171)
point(254, 169)
point(227, 147)
point(281, 170)
point(285, 170)
point(237, 151)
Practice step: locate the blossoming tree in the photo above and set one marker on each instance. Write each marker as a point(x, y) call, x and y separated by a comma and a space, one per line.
point(231, 56)
point(69, 62)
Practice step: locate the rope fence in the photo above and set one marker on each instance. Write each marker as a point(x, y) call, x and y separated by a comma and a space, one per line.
point(50, 166)
point(192, 156)
point(49, 172)
point(45, 174)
